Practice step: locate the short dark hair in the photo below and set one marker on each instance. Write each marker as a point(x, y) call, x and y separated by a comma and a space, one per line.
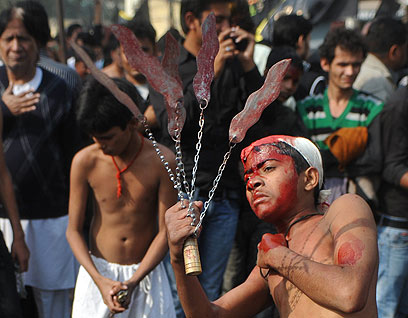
point(284, 52)
point(288, 28)
point(142, 30)
point(383, 33)
point(347, 39)
point(197, 7)
point(99, 111)
point(34, 18)
point(71, 29)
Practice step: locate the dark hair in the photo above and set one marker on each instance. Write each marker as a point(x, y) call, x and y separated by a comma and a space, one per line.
point(99, 111)
point(240, 16)
point(347, 39)
point(34, 18)
point(71, 29)
point(197, 7)
point(142, 30)
point(288, 28)
point(284, 52)
point(384, 33)
point(88, 50)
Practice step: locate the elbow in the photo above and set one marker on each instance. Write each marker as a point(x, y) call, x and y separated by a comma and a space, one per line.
point(353, 299)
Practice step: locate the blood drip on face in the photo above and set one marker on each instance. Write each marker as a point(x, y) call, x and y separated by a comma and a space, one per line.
point(277, 194)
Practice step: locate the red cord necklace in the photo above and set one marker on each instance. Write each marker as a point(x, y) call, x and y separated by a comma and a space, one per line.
point(119, 172)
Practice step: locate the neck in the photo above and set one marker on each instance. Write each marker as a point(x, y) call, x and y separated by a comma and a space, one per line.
point(300, 218)
point(283, 224)
point(131, 149)
point(339, 95)
point(191, 44)
point(20, 76)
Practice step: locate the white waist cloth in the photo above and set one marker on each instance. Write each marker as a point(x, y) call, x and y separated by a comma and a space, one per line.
point(52, 265)
point(151, 299)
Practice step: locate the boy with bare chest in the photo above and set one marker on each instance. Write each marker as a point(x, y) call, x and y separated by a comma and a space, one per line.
point(320, 264)
point(131, 191)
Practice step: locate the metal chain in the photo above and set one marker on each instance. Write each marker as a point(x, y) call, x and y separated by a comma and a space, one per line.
point(165, 163)
point(203, 106)
point(215, 185)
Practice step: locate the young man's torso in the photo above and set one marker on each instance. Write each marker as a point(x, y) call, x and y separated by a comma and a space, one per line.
point(123, 227)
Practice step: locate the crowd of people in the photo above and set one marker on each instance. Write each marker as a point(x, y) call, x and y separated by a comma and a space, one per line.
point(308, 219)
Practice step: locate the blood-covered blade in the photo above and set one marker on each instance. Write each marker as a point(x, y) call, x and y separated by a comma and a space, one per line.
point(155, 74)
point(205, 60)
point(106, 81)
point(171, 57)
point(258, 101)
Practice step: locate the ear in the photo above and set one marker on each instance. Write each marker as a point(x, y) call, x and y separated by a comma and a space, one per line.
point(311, 178)
point(133, 123)
point(324, 63)
point(300, 40)
point(191, 21)
point(393, 51)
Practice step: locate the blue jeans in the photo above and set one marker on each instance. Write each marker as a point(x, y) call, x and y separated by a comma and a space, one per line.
point(215, 242)
point(392, 285)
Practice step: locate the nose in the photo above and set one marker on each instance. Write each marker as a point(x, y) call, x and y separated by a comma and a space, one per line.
point(349, 70)
point(254, 183)
point(15, 45)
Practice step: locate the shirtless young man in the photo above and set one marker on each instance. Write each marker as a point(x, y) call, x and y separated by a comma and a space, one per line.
point(127, 234)
point(319, 265)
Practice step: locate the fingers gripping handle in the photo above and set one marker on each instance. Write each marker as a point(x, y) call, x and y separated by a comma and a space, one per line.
point(192, 262)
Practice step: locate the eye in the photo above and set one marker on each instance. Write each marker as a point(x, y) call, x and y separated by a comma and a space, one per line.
point(268, 168)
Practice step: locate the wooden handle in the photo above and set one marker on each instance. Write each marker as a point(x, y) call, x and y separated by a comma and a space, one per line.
point(192, 263)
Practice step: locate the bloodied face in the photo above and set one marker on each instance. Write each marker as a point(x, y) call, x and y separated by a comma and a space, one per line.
point(271, 183)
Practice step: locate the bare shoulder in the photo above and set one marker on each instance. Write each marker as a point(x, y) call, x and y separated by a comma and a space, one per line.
point(86, 157)
point(349, 209)
point(167, 154)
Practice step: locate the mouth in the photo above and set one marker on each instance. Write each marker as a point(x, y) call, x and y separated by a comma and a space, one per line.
point(258, 198)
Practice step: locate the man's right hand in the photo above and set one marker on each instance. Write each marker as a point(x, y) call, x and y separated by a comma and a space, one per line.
point(105, 286)
point(225, 52)
point(22, 103)
point(179, 227)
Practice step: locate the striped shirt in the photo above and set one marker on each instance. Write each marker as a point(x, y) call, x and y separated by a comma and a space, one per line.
point(361, 109)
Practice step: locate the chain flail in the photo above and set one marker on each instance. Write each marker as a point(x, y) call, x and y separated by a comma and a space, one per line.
point(165, 163)
point(203, 106)
point(215, 185)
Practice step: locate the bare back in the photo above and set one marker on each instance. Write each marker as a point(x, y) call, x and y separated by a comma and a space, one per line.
point(123, 228)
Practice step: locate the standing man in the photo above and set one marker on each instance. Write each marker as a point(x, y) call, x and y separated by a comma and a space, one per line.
point(320, 264)
point(337, 120)
point(40, 136)
point(236, 76)
point(131, 191)
point(392, 224)
point(386, 41)
point(10, 306)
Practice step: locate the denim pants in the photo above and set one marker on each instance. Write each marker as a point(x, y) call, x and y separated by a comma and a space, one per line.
point(214, 244)
point(392, 285)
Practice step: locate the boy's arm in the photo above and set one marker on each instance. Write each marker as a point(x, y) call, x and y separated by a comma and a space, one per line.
point(345, 285)
point(77, 206)
point(167, 196)
point(19, 248)
point(243, 301)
